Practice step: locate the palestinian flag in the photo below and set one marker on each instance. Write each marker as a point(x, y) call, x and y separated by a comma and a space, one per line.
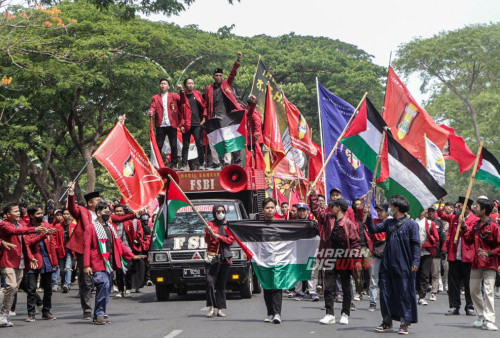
point(400, 173)
point(227, 133)
point(281, 252)
point(489, 169)
point(173, 201)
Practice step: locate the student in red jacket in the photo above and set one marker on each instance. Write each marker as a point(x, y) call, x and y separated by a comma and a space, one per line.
point(13, 261)
point(103, 252)
point(194, 116)
point(484, 237)
point(165, 109)
point(64, 231)
point(220, 100)
point(429, 240)
point(43, 248)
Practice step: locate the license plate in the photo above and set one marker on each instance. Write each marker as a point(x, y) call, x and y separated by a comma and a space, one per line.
point(193, 273)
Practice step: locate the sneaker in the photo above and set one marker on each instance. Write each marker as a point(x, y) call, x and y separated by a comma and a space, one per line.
point(48, 316)
point(215, 167)
point(383, 328)
point(327, 320)
point(173, 166)
point(3, 319)
point(99, 321)
point(184, 168)
point(497, 291)
point(87, 316)
point(115, 289)
point(127, 294)
point(119, 295)
point(403, 329)
point(299, 297)
point(432, 297)
point(149, 283)
point(344, 319)
point(39, 308)
point(453, 312)
point(314, 297)
point(269, 319)
point(338, 299)
point(30, 319)
point(353, 307)
point(356, 297)
point(478, 323)
point(487, 325)
point(422, 301)
point(65, 289)
point(12, 313)
point(372, 307)
point(291, 294)
point(277, 319)
point(220, 313)
point(55, 288)
point(470, 312)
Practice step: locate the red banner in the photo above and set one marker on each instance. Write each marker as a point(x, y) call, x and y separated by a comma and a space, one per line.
point(299, 130)
point(315, 165)
point(271, 132)
point(121, 155)
point(458, 151)
point(408, 121)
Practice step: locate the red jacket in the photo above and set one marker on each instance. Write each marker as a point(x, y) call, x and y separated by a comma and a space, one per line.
point(348, 231)
point(212, 243)
point(92, 255)
point(10, 233)
point(33, 242)
point(174, 114)
point(185, 108)
point(487, 238)
point(134, 237)
point(59, 236)
point(83, 218)
point(254, 123)
point(226, 90)
point(432, 237)
point(449, 246)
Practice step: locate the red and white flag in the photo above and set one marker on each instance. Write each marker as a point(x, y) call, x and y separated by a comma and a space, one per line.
point(133, 173)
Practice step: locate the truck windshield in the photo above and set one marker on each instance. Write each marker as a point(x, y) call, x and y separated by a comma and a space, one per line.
point(186, 221)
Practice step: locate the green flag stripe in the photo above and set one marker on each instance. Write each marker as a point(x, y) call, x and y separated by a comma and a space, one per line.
point(230, 145)
point(283, 276)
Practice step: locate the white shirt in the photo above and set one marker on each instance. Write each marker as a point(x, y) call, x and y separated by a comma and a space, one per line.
point(423, 235)
point(164, 99)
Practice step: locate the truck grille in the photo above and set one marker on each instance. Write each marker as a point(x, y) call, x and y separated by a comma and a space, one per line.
point(185, 255)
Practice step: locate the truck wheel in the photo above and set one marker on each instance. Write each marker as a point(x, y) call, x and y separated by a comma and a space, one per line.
point(162, 293)
point(256, 285)
point(247, 288)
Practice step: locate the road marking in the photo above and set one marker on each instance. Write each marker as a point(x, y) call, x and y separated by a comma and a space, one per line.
point(173, 334)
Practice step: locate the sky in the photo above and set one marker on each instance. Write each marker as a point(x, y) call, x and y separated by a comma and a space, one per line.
point(376, 26)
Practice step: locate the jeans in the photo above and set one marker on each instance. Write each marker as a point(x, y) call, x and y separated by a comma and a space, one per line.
point(46, 285)
point(66, 268)
point(374, 274)
point(103, 282)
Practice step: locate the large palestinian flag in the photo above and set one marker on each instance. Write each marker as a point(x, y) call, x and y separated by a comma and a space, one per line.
point(489, 169)
point(281, 252)
point(400, 173)
point(227, 133)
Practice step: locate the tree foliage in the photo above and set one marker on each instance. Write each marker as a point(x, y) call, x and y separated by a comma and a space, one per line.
point(72, 79)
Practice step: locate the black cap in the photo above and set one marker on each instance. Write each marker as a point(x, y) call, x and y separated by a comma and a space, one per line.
point(383, 206)
point(91, 195)
point(461, 200)
point(335, 189)
point(218, 70)
point(342, 203)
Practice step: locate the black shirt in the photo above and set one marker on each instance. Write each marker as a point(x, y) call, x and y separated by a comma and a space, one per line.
point(335, 236)
point(195, 111)
point(222, 105)
point(362, 235)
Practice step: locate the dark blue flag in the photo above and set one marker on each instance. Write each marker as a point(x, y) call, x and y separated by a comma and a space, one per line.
point(344, 171)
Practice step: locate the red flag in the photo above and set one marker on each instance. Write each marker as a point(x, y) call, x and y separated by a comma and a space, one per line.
point(255, 159)
point(458, 151)
point(299, 130)
point(156, 158)
point(271, 132)
point(384, 160)
point(408, 121)
point(278, 196)
point(135, 176)
point(315, 164)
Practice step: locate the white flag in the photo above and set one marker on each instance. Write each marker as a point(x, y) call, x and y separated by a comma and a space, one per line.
point(434, 160)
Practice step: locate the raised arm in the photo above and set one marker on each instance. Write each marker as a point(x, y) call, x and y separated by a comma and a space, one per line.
point(234, 70)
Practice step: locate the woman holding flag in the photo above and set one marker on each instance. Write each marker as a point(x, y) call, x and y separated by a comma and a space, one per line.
point(218, 258)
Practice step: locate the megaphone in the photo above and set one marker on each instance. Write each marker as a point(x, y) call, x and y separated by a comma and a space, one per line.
point(165, 171)
point(233, 178)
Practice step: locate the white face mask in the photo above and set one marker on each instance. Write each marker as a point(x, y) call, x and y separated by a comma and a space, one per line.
point(220, 216)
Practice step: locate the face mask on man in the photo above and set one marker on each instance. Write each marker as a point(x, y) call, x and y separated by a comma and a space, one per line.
point(105, 217)
point(39, 219)
point(220, 216)
point(389, 211)
point(145, 217)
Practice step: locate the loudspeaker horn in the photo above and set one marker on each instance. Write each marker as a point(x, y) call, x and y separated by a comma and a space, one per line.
point(233, 178)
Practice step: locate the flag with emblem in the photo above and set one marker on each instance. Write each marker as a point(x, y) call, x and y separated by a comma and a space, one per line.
point(281, 252)
point(488, 169)
point(434, 161)
point(174, 200)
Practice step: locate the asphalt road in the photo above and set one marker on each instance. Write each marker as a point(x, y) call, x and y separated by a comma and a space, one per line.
point(142, 316)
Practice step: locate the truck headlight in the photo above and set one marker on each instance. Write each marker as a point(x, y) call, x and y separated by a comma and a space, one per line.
point(236, 254)
point(160, 257)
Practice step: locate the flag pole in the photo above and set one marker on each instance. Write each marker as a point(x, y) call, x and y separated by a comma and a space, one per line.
point(473, 175)
point(336, 144)
point(374, 179)
point(74, 180)
point(320, 132)
point(254, 76)
point(191, 204)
